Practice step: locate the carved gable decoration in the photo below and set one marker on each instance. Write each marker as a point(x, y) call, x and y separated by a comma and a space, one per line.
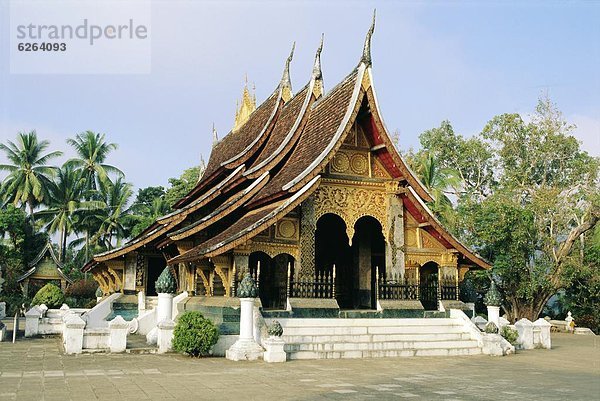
point(430, 242)
point(351, 203)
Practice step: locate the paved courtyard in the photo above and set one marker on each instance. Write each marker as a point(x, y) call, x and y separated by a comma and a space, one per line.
point(36, 369)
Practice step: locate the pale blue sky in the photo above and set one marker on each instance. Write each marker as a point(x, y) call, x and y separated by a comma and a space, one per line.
point(462, 61)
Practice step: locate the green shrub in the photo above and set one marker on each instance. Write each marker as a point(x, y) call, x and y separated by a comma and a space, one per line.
point(82, 289)
point(50, 295)
point(194, 334)
point(511, 335)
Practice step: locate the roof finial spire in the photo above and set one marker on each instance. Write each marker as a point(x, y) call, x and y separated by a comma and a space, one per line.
point(317, 74)
point(285, 80)
point(286, 84)
point(366, 56)
point(215, 135)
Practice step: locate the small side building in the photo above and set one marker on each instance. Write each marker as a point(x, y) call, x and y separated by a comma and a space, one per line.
point(45, 268)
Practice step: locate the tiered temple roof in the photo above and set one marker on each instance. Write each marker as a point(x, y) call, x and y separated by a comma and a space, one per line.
point(263, 169)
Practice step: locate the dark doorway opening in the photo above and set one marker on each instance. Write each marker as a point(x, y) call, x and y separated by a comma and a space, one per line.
point(355, 264)
point(156, 264)
point(272, 278)
point(428, 287)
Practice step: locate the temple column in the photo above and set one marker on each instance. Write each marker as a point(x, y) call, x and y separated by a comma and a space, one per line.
point(448, 271)
point(394, 255)
point(308, 226)
point(129, 275)
point(241, 263)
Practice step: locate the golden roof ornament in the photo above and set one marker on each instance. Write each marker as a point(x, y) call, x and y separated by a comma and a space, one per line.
point(366, 56)
point(286, 83)
point(245, 108)
point(317, 74)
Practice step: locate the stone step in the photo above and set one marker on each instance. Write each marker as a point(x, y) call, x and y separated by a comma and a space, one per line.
point(362, 330)
point(376, 338)
point(315, 322)
point(379, 346)
point(384, 353)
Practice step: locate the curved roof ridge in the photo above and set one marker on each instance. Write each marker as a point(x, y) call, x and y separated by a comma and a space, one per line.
point(303, 176)
point(411, 177)
point(462, 248)
point(202, 200)
point(246, 231)
point(222, 211)
point(279, 153)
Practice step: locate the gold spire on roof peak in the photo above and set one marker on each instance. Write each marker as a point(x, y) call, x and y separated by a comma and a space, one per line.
point(246, 106)
point(366, 56)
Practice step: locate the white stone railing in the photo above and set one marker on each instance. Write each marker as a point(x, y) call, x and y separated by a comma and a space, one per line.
point(96, 317)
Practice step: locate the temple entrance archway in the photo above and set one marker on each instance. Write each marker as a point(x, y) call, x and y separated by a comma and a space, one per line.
point(428, 285)
point(356, 263)
point(271, 275)
point(368, 250)
point(156, 264)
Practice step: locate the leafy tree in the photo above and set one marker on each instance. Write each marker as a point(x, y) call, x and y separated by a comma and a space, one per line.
point(469, 158)
point(181, 186)
point(92, 151)
point(29, 176)
point(529, 196)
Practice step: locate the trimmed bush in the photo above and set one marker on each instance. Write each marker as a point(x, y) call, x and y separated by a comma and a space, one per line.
point(50, 295)
point(194, 335)
point(82, 289)
point(511, 335)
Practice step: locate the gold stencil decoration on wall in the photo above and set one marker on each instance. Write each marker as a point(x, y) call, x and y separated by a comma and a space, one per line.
point(340, 163)
point(359, 163)
point(287, 229)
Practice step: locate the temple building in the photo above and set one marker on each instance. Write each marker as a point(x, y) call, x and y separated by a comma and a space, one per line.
point(309, 195)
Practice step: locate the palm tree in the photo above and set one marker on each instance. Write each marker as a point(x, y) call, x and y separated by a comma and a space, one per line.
point(439, 182)
point(29, 175)
point(115, 218)
point(92, 150)
point(66, 199)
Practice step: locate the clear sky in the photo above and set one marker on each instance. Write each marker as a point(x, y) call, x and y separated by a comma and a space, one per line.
point(461, 61)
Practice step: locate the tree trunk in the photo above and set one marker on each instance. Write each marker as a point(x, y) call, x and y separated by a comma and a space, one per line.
point(519, 308)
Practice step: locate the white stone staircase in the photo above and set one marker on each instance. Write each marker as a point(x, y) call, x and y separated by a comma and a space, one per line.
point(371, 338)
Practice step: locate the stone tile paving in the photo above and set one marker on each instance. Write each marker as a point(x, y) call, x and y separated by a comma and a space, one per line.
point(34, 369)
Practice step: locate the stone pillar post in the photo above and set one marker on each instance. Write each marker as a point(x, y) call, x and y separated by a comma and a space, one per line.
point(308, 226)
point(73, 333)
point(525, 329)
point(493, 300)
point(32, 321)
point(246, 348)
point(165, 336)
point(541, 336)
point(166, 287)
point(494, 314)
point(164, 309)
point(119, 328)
point(141, 301)
point(274, 344)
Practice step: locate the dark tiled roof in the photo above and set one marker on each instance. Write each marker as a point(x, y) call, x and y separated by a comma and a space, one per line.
point(237, 141)
point(285, 122)
point(324, 120)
